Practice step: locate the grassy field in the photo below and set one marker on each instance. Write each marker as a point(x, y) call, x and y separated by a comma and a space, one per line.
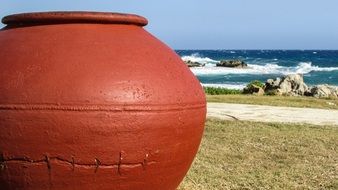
point(308, 102)
point(249, 155)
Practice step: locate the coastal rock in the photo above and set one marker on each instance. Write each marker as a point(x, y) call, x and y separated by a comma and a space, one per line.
point(193, 64)
point(291, 85)
point(324, 91)
point(253, 89)
point(232, 64)
point(271, 86)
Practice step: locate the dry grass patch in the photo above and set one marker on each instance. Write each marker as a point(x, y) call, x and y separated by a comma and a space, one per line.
point(306, 102)
point(251, 155)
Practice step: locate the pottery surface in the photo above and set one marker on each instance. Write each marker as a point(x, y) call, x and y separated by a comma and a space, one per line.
point(93, 101)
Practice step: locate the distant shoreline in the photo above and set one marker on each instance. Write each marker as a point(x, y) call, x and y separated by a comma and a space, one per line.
point(255, 49)
point(240, 87)
point(317, 66)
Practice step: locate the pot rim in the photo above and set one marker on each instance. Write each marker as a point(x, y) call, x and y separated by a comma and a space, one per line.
point(63, 17)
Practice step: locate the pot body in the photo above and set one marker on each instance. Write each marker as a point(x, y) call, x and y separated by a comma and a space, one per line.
point(90, 105)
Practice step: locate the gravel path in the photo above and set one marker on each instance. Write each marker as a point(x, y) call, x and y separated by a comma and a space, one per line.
point(272, 113)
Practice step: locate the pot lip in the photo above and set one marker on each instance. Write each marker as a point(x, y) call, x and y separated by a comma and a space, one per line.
point(64, 17)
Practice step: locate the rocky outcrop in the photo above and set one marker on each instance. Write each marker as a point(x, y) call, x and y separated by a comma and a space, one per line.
point(193, 64)
point(232, 64)
point(291, 85)
point(253, 89)
point(272, 86)
point(324, 91)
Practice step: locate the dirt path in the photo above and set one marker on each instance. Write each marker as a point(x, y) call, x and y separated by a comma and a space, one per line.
point(272, 113)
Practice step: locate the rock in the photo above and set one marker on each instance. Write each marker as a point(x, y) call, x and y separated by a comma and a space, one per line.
point(270, 83)
point(253, 89)
point(324, 91)
point(232, 63)
point(291, 85)
point(193, 64)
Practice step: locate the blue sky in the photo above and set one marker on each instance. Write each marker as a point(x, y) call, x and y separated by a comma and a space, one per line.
point(217, 24)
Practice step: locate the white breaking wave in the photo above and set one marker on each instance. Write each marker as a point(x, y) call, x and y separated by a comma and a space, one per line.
point(228, 86)
point(306, 67)
point(270, 68)
point(197, 58)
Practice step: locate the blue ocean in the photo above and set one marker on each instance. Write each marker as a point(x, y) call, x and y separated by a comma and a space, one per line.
point(317, 66)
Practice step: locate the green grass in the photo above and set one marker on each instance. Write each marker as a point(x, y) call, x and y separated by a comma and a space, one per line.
point(289, 101)
point(250, 155)
point(218, 91)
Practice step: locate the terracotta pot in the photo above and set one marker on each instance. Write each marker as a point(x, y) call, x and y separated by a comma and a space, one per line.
point(93, 101)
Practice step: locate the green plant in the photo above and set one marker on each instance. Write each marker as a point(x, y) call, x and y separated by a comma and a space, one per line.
point(256, 83)
point(219, 91)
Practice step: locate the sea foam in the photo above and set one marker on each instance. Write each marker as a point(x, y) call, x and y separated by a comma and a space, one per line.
point(197, 58)
point(268, 67)
point(228, 86)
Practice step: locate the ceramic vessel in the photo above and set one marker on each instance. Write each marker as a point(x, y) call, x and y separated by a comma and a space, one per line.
point(93, 101)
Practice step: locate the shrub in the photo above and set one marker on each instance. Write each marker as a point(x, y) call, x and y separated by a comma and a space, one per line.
point(256, 83)
point(219, 90)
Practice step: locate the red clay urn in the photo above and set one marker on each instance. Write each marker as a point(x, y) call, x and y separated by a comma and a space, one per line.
point(91, 100)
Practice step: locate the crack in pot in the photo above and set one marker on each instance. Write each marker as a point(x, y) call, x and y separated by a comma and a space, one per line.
point(97, 163)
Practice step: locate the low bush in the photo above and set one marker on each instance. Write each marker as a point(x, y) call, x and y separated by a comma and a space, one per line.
point(256, 83)
point(219, 91)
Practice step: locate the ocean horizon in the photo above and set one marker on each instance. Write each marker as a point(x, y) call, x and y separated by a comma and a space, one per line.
point(317, 66)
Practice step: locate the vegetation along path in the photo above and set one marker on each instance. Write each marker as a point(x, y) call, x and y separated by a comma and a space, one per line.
point(264, 113)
